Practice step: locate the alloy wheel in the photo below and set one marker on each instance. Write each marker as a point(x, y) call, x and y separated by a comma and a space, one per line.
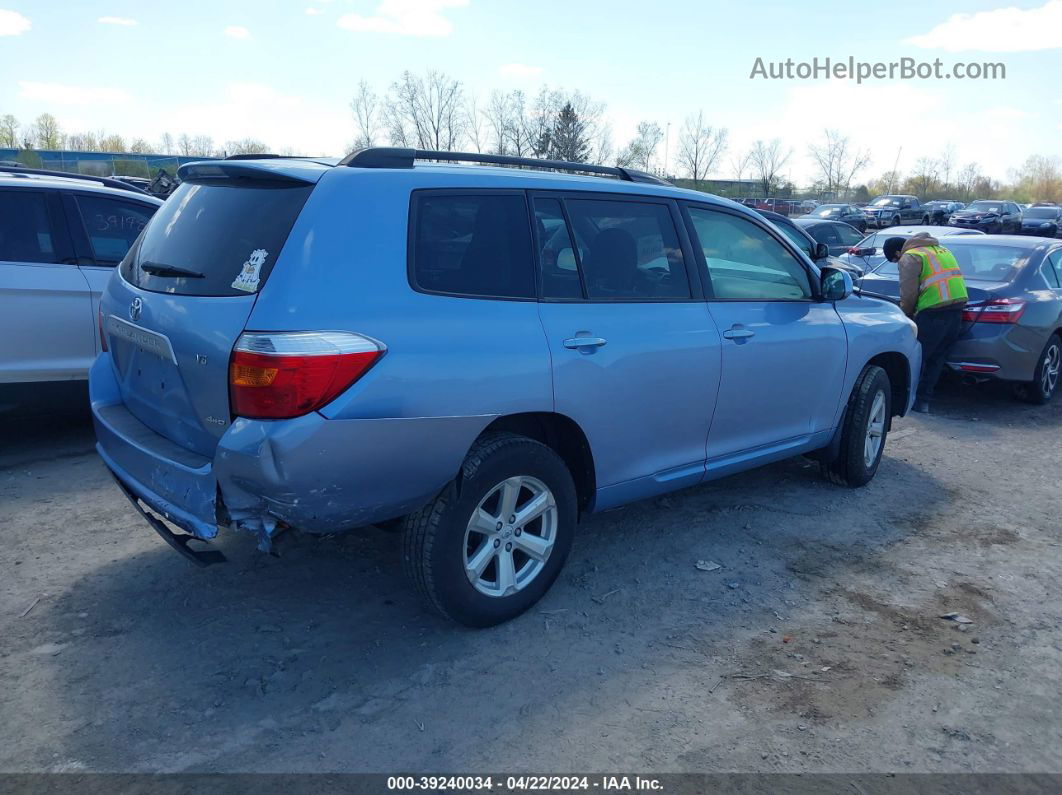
point(1052, 365)
point(875, 430)
point(510, 536)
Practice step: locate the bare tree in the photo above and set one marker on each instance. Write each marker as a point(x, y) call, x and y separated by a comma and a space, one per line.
point(740, 162)
point(46, 132)
point(924, 176)
point(202, 146)
point(767, 161)
point(366, 109)
point(641, 149)
point(140, 146)
point(475, 124)
point(9, 131)
point(425, 111)
point(111, 142)
point(838, 162)
point(83, 142)
point(947, 166)
point(245, 146)
point(184, 144)
point(166, 144)
point(700, 146)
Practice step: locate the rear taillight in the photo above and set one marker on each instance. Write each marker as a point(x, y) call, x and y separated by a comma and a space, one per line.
point(286, 374)
point(998, 310)
point(99, 322)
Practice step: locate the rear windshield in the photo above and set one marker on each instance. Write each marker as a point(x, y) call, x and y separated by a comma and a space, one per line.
point(230, 234)
point(1042, 212)
point(981, 262)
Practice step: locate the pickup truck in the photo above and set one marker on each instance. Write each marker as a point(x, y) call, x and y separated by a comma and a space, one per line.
point(895, 210)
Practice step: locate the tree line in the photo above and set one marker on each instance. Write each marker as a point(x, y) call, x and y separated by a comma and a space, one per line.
point(436, 111)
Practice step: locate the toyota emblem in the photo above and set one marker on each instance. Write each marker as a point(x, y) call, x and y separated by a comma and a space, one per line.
point(134, 309)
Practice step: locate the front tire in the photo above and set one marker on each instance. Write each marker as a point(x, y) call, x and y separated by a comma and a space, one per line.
point(1045, 382)
point(866, 425)
point(494, 540)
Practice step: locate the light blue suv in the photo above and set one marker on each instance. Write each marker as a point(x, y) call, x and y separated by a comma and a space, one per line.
point(477, 355)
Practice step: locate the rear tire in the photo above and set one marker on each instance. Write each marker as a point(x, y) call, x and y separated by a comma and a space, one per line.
point(925, 220)
point(1045, 382)
point(866, 425)
point(446, 541)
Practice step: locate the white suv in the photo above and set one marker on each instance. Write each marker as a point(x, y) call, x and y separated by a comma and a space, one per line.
point(60, 237)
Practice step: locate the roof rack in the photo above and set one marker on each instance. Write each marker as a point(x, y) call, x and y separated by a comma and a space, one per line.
point(105, 181)
point(398, 157)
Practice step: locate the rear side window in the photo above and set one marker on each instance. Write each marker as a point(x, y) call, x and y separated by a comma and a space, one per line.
point(25, 229)
point(112, 225)
point(629, 250)
point(474, 245)
point(228, 234)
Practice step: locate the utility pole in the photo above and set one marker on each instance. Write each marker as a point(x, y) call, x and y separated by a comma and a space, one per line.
point(896, 165)
point(667, 141)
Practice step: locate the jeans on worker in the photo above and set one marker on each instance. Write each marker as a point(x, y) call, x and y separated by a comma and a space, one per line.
point(937, 331)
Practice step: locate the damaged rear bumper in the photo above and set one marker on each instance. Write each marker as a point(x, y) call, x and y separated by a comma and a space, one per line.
point(310, 473)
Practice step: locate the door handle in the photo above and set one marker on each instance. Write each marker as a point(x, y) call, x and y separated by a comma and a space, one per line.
point(575, 343)
point(737, 333)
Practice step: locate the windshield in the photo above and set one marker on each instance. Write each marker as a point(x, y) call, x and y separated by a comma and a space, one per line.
point(798, 239)
point(215, 240)
point(986, 207)
point(827, 211)
point(885, 201)
point(1042, 212)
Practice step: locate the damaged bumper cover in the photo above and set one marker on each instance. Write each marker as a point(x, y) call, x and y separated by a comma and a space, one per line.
point(314, 474)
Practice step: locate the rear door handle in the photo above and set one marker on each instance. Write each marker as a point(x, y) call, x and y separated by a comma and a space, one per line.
point(575, 343)
point(738, 333)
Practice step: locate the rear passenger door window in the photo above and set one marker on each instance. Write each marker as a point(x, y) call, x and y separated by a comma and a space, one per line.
point(1055, 258)
point(26, 231)
point(627, 250)
point(745, 262)
point(112, 225)
point(472, 244)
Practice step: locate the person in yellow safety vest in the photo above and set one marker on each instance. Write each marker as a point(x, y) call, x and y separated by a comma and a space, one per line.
point(933, 292)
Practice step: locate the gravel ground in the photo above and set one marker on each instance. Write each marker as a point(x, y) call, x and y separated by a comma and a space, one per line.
point(817, 646)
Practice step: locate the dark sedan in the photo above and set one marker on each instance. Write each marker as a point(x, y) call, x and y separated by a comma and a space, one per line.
point(1042, 221)
point(991, 216)
point(941, 210)
point(802, 239)
point(1012, 329)
point(839, 237)
point(840, 212)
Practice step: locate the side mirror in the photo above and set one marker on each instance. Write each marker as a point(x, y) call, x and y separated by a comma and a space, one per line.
point(836, 284)
point(822, 251)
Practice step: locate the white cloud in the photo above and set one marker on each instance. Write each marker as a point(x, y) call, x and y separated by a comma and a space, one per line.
point(256, 110)
point(405, 17)
point(237, 32)
point(12, 23)
point(123, 21)
point(312, 12)
point(519, 70)
point(62, 94)
point(1001, 30)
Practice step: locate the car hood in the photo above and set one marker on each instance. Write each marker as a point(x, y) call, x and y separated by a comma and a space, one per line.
point(1038, 221)
point(972, 214)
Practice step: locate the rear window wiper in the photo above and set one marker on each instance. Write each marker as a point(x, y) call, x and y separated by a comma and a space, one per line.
point(158, 269)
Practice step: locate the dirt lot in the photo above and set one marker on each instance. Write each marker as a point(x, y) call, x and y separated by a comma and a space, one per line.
point(817, 646)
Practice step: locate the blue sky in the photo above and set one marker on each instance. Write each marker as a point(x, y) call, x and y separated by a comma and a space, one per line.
point(284, 71)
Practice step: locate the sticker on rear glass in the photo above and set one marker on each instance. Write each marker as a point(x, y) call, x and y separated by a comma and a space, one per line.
point(250, 273)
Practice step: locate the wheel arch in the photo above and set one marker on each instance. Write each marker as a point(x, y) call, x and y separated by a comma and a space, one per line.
point(897, 368)
point(563, 435)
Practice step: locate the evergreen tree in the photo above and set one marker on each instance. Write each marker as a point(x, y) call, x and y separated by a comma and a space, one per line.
point(568, 138)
